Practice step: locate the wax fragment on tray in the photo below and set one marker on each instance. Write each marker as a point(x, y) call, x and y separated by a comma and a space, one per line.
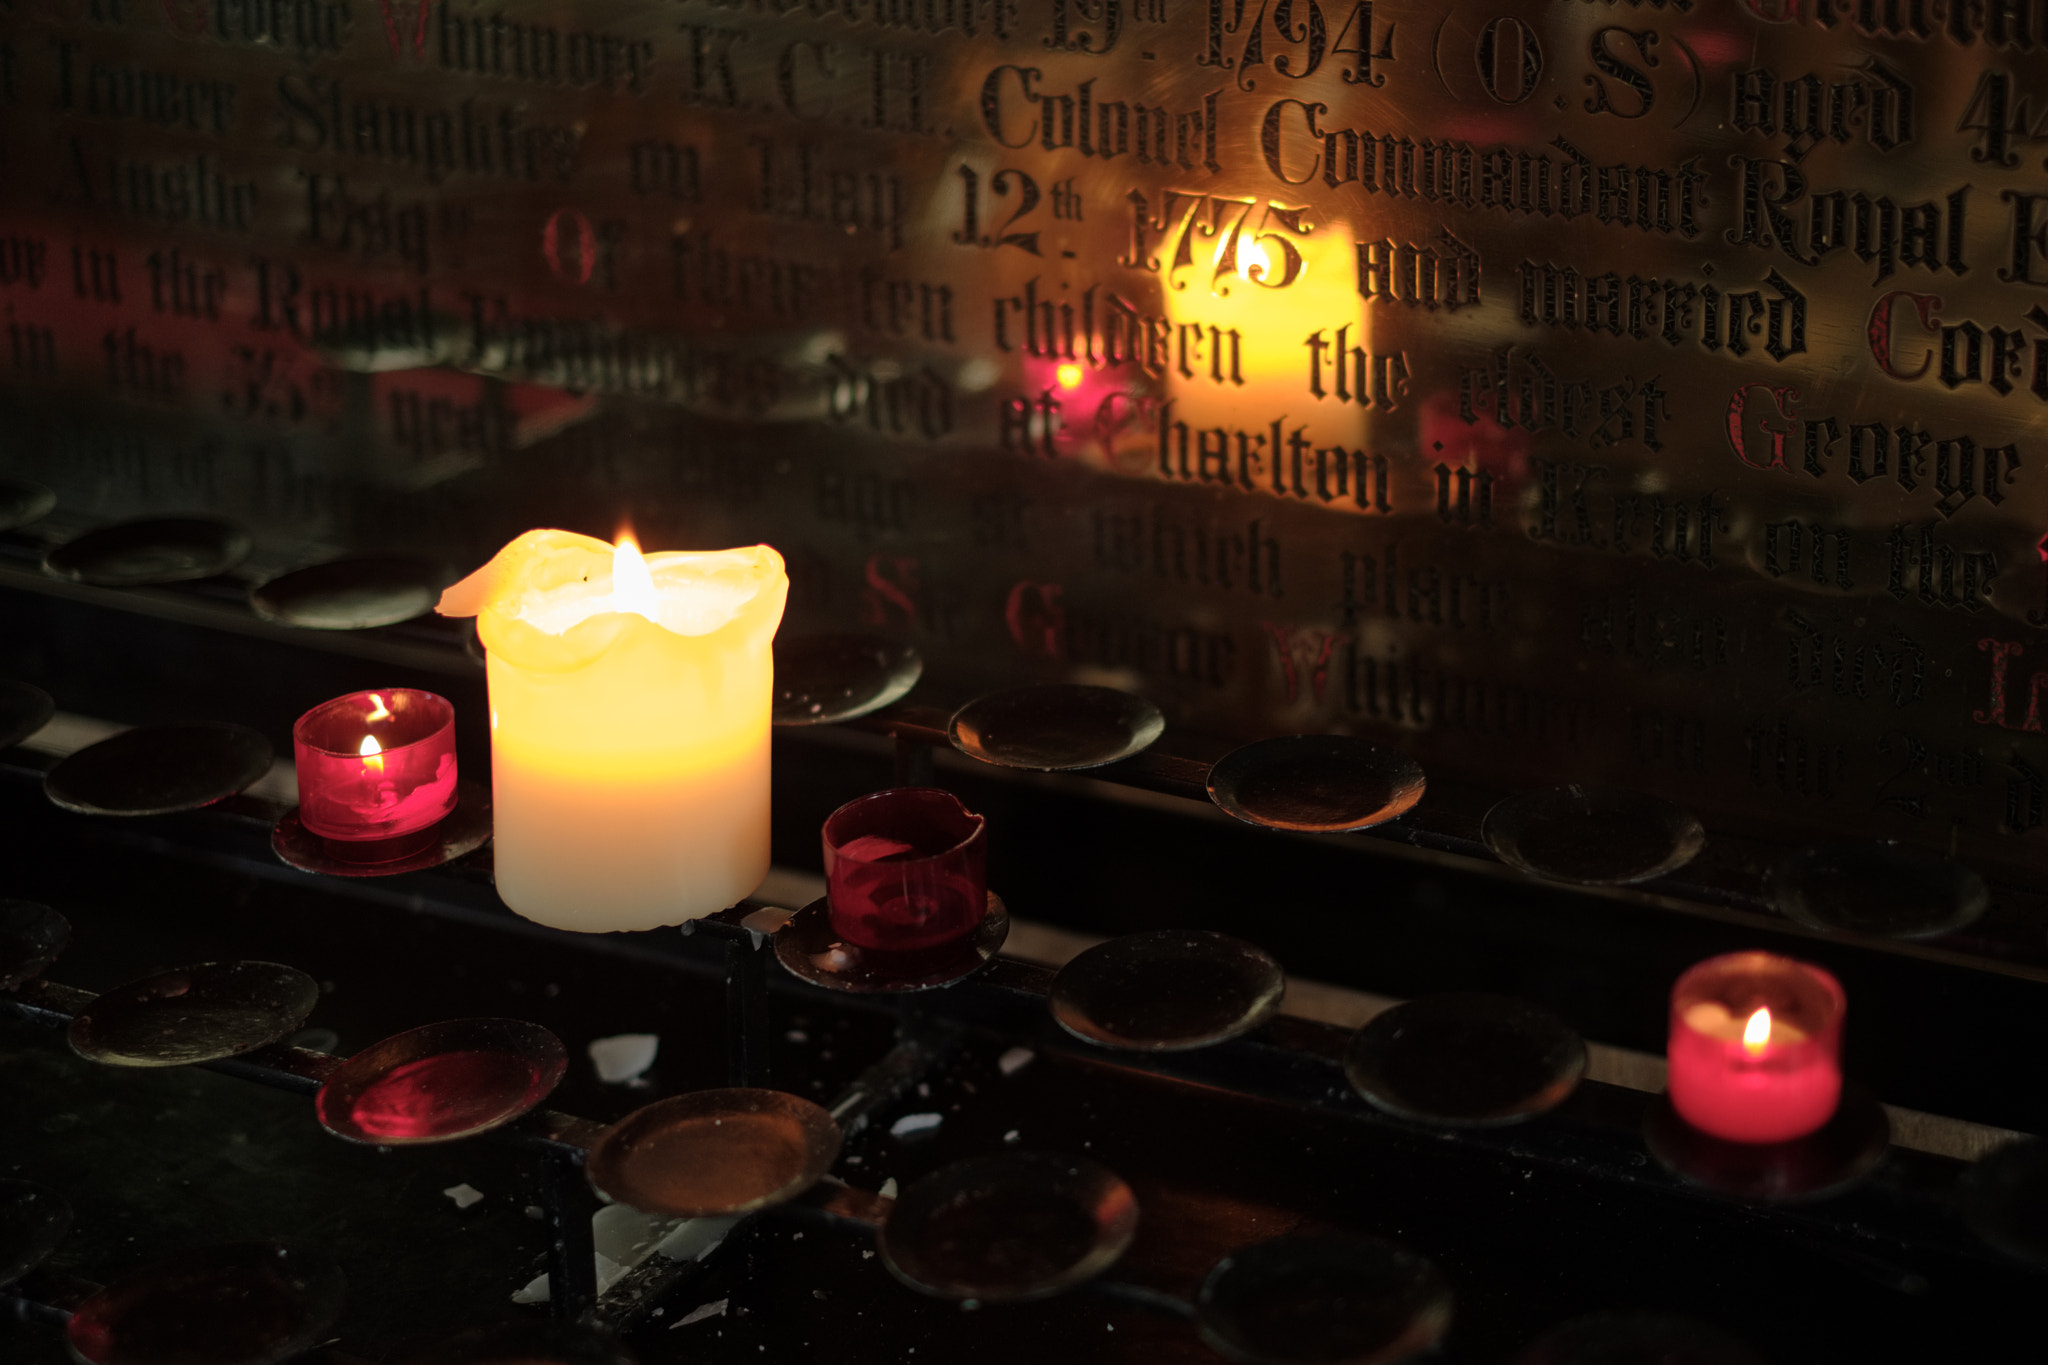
point(623, 1056)
point(716, 1308)
point(915, 1123)
point(1015, 1060)
point(873, 848)
point(464, 1195)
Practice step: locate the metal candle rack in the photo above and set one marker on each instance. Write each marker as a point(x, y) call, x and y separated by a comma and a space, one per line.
point(1315, 784)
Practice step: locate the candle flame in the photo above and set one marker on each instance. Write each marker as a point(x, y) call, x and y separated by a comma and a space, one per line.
point(1252, 261)
point(1070, 376)
point(372, 752)
point(632, 584)
point(382, 712)
point(1756, 1034)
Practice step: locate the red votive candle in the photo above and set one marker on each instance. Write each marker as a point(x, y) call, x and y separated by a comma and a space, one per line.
point(376, 771)
point(906, 868)
point(1756, 1047)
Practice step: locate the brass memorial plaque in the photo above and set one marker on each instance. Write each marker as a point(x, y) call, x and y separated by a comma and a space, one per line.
point(1644, 392)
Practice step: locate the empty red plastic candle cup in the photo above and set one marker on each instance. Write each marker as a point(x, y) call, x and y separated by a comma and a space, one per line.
point(376, 771)
point(1756, 1047)
point(905, 869)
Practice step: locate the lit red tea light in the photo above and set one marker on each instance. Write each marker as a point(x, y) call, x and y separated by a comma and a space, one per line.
point(1755, 1049)
point(376, 771)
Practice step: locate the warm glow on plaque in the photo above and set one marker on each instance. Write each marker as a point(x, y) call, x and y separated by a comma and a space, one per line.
point(1252, 262)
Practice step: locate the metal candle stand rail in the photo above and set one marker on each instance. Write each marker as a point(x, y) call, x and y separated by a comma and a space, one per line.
point(1596, 1129)
point(859, 681)
point(562, 1142)
point(1739, 885)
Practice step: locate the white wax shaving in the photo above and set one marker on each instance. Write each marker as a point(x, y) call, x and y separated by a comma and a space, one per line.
point(624, 1056)
point(915, 1123)
point(714, 1309)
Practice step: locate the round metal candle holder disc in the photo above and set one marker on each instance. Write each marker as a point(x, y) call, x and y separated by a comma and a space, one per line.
point(1009, 1227)
point(1839, 1154)
point(31, 937)
point(521, 1343)
point(1322, 1300)
point(1056, 727)
point(159, 769)
point(441, 1082)
point(194, 1014)
point(349, 594)
point(1323, 784)
point(1592, 836)
point(1466, 1060)
point(1885, 890)
point(715, 1153)
point(824, 679)
point(22, 502)
point(24, 709)
point(238, 1305)
point(33, 1221)
point(134, 554)
point(808, 947)
point(2005, 1199)
point(1636, 1338)
point(1166, 990)
point(460, 833)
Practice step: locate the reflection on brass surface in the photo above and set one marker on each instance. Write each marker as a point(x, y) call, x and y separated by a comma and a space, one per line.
point(1640, 393)
point(194, 1014)
point(462, 832)
point(349, 594)
point(1056, 727)
point(824, 679)
point(715, 1153)
point(159, 769)
point(249, 1304)
point(1592, 836)
point(1466, 1059)
point(1166, 990)
point(1009, 1227)
point(1316, 783)
point(809, 947)
point(136, 554)
point(1825, 1162)
point(22, 502)
point(1884, 890)
point(1323, 1297)
point(441, 1082)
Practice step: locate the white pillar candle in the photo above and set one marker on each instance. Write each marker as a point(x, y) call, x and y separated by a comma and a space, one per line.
point(629, 726)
